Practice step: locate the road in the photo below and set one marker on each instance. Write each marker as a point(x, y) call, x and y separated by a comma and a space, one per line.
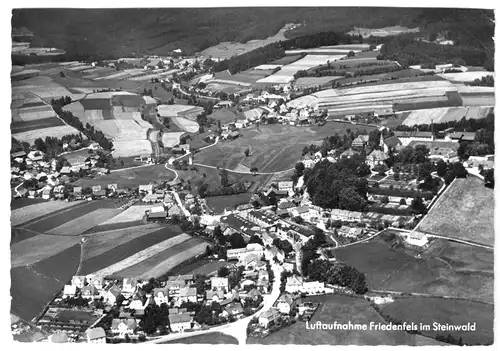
point(244, 172)
point(236, 329)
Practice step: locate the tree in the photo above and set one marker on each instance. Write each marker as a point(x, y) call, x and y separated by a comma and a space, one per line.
point(237, 241)
point(255, 239)
point(441, 168)
point(254, 170)
point(402, 202)
point(350, 54)
point(381, 168)
point(363, 170)
point(247, 152)
point(489, 178)
point(224, 178)
point(418, 206)
point(223, 272)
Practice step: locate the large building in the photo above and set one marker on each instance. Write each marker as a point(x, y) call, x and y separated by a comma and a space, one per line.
point(240, 254)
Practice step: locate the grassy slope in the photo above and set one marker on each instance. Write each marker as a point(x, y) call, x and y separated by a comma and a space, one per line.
point(466, 211)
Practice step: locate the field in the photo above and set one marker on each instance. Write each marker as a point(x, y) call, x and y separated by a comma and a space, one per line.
point(172, 139)
point(219, 203)
point(274, 148)
point(225, 115)
point(128, 252)
point(186, 124)
point(446, 114)
point(130, 178)
point(24, 202)
point(307, 82)
point(213, 338)
point(56, 132)
point(382, 32)
point(173, 110)
point(288, 59)
point(59, 218)
point(160, 262)
point(342, 309)
point(27, 213)
point(83, 223)
point(132, 214)
point(465, 76)
point(99, 243)
point(39, 247)
point(77, 157)
point(446, 311)
point(445, 269)
point(226, 50)
point(249, 76)
point(464, 211)
point(286, 73)
point(209, 268)
point(33, 286)
point(478, 99)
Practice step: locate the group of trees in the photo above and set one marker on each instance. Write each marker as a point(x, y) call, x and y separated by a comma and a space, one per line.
point(450, 171)
point(53, 146)
point(155, 319)
point(408, 51)
point(338, 274)
point(362, 69)
point(336, 185)
point(487, 81)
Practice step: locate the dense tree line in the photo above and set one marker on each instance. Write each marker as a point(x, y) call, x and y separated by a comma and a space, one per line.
point(348, 72)
point(53, 146)
point(408, 51)
point(466, 125)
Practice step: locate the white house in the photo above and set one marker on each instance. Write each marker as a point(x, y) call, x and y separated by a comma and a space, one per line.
point(219, 283)
point(123, 326)
point(214, 296)
point(186, 295)
point(111, 294)
point(285, 303)
point(285, 186)
point(417, 238)
point(129, 286)
point(69, 291)
point(78, 281)
point(179, 322)
point(293, 284)
point(96, 336)
point(254, 248)
point(160, 295)
point(268, 317)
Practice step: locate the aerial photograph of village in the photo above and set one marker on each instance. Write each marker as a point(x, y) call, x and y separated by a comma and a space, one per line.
point(264, 175)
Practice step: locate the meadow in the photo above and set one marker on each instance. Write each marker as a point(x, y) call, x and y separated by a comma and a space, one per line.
point(219, 203)
point(273, 148)
point(447, 270)
point(446, 311)
point(213, 338)
point(464, 211)
point(342, 309)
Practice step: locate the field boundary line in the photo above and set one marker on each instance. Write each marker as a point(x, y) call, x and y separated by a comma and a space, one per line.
point(415, 294)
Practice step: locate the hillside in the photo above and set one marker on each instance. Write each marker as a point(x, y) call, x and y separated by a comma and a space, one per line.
point(157, 31)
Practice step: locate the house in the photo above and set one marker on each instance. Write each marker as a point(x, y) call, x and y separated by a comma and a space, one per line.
point(312, 287)
point(302, 211)
point(174, 286)
point(123, 326)
point(269, 317)
point(241, 123)
point(239, 254)
point(96, 336)
point(346, 216)
point(267, 239)
point(46, 193)
point(263, 219)
point(416, 238)
point(285, 303)
point(360, 142)
point(160, 295)
point(293, 284)
point(188, 278)
point(78, 281)
point(219, 283)
point(349, 153)
point(234, 309)
point(187, 295)
point(112, 294)
point(278, 194)
point(174, 210)
point(407, 137)
point(376, 157)
point(214, 296)
point(59, 337)
point(69, 291)
point(273, 253)
point(137, 303)
point(461, 136)
point(285, 185)
point(250, 261)
point(97, 281)
point(129, 286)
point(179, 322)
point(233, 135)
point(392, 143)
point(90, 292)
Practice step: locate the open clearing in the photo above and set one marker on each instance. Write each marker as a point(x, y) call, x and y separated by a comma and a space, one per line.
point(161, 262)
point(99, 243)
point(446, 311)
point(465, 211)
point(342, 309)
point(127, 251)
point(56, 132)
point(445, 114)
point(131, 214)
point(274, 148)
point(219, 203)
point(445, 269)
point(209, 269)
point(81, 224)
point(39, 247)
